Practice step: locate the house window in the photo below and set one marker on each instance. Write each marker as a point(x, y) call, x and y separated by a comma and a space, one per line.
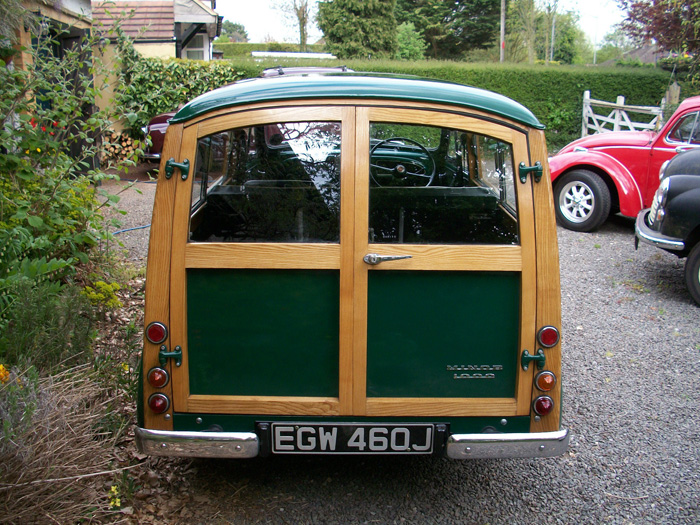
point(195, 49)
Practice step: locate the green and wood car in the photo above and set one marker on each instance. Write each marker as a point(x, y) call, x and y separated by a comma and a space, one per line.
point(352, 264)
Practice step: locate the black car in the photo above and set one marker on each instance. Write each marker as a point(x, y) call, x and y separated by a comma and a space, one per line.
point(673, 221)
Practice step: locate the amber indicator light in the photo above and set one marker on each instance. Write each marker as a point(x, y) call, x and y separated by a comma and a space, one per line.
point(545, 381)
point(158, 377)
point(158, 403)
point(548, 336)
point(156, 333)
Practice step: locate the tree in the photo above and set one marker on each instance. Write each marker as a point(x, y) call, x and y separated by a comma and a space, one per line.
point(411, 43)
point(526, 15)
point(233, 31)
point(550, 19)
point(452, 28)
point(300, 12)
point(570, 43)
point(615, 45)
point(428, 16)
point(357, 28)
point(675, 26)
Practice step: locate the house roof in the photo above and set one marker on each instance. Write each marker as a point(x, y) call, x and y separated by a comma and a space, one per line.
point(154, 20)
point(151, 19)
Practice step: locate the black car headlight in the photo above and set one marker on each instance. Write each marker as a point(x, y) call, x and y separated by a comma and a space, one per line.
point(657, 212)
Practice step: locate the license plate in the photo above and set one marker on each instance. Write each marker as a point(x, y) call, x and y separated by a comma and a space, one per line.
point(342, 438)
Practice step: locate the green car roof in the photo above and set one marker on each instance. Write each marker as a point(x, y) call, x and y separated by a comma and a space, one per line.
point(349, 85)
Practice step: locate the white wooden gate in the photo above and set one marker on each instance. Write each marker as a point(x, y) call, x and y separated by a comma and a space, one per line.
point(617, 119)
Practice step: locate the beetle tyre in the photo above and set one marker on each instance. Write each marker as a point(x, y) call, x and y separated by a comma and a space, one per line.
point(581, 200)
point(692, 273)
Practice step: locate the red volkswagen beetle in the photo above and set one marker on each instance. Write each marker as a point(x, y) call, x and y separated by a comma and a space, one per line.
point(618, 171)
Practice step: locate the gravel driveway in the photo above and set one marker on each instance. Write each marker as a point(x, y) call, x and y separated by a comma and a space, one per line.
point(631, 376)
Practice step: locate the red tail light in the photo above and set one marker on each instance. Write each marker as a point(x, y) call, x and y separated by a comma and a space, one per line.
point(156, 333)
point(543, 405)
point(548, 336)
point(158, 403)
point(545, 381)
point(158, 377)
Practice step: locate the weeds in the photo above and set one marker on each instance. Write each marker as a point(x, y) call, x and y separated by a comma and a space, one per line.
point(54, 448)
point(47, 328)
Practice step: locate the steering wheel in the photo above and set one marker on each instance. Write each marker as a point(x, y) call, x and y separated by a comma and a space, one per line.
point(408, 173)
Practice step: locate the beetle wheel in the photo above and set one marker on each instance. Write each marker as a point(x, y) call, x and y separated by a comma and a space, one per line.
point(582, 200)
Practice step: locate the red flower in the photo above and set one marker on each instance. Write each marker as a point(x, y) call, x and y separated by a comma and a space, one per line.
point(43, 128)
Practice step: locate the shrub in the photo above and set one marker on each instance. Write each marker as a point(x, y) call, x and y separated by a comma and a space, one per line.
point(150, 86)
point(48, 327)
point(51, 219)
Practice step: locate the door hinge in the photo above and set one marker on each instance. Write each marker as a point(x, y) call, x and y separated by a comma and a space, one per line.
point(536, 171)
point(538, 357)
point(183, 166)
point(164, 355)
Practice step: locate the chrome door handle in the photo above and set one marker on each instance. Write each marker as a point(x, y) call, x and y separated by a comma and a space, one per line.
point(374, 259)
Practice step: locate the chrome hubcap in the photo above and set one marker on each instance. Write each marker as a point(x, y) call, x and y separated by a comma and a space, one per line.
point(576, 201)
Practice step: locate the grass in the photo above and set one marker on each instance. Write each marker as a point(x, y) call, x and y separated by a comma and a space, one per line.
point(67, 400)
point(51, 457)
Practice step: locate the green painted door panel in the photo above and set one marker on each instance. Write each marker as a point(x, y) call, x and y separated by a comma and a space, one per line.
point(263, 332)
point(442, 334)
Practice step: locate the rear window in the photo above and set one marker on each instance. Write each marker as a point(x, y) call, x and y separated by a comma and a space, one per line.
point(280, 182)
point(274, 183)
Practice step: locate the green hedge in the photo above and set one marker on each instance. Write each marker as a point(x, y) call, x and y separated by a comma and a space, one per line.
point(554, 94)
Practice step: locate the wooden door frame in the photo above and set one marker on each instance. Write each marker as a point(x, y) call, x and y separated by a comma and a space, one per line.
point(346, 257)
point(446, 258)
point(264, 255)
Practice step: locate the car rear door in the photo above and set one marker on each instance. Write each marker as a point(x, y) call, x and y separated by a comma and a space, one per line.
point(439, 329)
point(321, 267)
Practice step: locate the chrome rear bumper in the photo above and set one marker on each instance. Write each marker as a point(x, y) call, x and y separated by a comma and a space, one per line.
point(197, 444)
point(247, 444)
point(525, 445)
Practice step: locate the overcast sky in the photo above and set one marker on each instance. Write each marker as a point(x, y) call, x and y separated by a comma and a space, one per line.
point(261, 19)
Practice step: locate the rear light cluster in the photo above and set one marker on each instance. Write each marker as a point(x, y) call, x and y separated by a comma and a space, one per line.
point(157, 377)
point(545, 381)
point(158, 403)
point(156, 333)
point(548, 336)
point(543, 405)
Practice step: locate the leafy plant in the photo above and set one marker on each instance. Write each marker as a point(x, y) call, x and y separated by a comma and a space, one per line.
point(48, 327)
point(150, 86)
point(411, 43)
point(51, 210)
